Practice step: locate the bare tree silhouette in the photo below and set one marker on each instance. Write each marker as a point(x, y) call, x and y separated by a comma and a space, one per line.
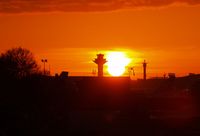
point(18, 63)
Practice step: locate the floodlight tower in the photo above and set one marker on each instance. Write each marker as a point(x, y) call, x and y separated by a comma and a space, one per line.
point(100, 61)
point(144, 70)
point(44, 61)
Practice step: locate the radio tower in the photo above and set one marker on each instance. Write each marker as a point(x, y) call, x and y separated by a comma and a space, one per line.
point(144, 70)
point(100, 61)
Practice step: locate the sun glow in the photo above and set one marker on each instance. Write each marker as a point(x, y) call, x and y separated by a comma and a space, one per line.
point(117, 61)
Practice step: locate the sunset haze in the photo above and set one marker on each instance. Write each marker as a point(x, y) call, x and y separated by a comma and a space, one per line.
point(69, 33)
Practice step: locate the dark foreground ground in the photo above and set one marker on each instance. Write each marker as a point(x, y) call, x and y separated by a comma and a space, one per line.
point(100, 107)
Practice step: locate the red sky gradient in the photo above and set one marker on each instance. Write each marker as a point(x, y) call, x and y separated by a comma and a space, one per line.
point(168, 37)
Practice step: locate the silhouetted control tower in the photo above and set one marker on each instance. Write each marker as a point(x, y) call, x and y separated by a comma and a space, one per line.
point(145, 70)
point(100, 61)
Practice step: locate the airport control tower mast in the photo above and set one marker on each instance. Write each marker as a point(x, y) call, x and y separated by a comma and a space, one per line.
point(100, 61)
point(144, 70)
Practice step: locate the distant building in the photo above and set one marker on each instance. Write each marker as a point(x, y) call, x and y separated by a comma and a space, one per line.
point(171, 75)
point(191, 74)
point(64, 74)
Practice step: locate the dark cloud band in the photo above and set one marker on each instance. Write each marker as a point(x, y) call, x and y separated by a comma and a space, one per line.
point(18, 6)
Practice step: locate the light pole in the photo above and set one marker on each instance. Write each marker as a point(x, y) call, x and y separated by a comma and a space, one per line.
point(44, 61)
point(144, 70)
point(131, 71)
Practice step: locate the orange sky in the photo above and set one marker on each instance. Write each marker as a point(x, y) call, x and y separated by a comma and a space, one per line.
point(167, 37)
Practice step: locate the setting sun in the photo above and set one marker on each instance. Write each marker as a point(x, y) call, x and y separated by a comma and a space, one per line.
point(117, 61)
